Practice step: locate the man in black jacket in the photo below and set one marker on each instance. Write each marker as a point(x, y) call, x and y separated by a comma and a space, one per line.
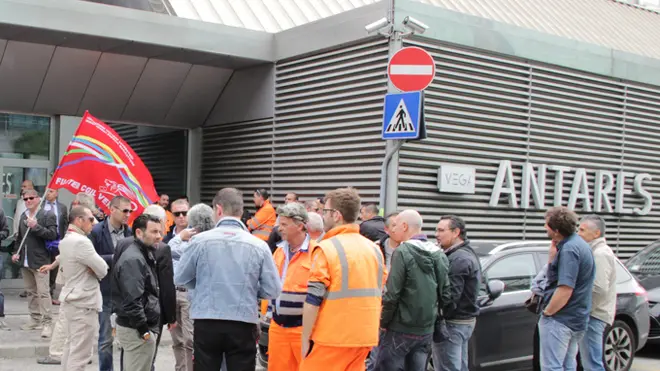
point(373, 225)
point(39, 226)
point(135, 295)
point(450, 347)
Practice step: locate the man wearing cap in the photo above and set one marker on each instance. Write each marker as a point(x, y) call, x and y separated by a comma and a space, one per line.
point(293, 262)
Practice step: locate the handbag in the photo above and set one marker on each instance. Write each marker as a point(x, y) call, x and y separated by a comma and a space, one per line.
point(533, 303)
point(54, 245)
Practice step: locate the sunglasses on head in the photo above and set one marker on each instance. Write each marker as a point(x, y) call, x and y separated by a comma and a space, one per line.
point(180, 213)
point(28, 198)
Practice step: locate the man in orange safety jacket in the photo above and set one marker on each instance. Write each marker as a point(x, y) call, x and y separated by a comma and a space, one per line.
point(263, 221)
point(293, 262)
point(341, 313)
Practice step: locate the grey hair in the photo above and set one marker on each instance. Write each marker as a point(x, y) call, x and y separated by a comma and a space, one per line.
point(597, 221)
point(157, 211)
point(315, 222)
point(200, 217)
point(231, 200)
point(86, 200)
point(412, 218)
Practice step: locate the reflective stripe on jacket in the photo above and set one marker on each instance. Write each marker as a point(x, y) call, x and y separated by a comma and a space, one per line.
point(294, 272)
point(349, 315)
point(262, 223)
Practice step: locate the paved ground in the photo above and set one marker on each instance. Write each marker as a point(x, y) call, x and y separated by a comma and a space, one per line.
point(19, 349)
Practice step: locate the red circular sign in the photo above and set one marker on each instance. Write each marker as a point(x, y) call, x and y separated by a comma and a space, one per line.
point(411, 69)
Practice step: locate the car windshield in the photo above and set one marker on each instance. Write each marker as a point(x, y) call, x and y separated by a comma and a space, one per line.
point(647, 262)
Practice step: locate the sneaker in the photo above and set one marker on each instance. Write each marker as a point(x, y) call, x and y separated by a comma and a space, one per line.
point(48, 360)
point(32, 326)
point(55, 302)
point(47, 331)
point(4, 327)
point(24, 294)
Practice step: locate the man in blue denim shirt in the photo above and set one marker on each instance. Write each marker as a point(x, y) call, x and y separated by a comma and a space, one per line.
point(230, 271)
point(567, 294)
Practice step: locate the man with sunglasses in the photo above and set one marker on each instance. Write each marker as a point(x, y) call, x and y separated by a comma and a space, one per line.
point(82, 268)
point(104, 236)
point(179, 209)
point(38, 227)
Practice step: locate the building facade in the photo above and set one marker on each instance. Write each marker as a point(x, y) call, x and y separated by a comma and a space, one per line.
point(525, 111)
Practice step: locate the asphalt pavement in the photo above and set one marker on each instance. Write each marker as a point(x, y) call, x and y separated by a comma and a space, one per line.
point(19, 349)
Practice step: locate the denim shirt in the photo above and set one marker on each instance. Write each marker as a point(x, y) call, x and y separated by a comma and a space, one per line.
point(230, 270)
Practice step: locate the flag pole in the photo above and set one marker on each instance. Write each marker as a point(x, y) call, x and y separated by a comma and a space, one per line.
point(41, 202)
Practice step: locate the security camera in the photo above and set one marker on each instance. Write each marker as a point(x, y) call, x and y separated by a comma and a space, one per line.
point(377, 26)
point(414, 25)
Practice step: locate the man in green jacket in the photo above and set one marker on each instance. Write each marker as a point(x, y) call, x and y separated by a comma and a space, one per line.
point(417, 285)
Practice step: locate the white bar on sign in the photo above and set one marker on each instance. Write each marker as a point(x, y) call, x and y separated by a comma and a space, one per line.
point(411, 69)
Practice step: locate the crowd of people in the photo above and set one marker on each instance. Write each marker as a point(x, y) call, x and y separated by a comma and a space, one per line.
point(343, 295)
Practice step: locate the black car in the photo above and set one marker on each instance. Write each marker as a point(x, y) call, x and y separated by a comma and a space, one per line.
point(504, 336)
point(645, 266)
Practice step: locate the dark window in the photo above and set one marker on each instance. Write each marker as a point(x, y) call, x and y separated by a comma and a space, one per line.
point(516, 271)
point(646, 263)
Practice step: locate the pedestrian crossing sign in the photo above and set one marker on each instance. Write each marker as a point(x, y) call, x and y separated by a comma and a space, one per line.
point(403, 117)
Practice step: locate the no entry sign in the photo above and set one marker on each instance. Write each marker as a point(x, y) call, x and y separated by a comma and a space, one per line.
point(411, 69)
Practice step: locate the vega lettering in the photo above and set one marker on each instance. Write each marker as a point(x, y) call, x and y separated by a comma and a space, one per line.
point(606, 185)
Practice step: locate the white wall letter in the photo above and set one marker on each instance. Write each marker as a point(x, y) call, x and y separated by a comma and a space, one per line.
point(580, 189)
point(621, 191)
point(504, 174)
point(534, 185)
point(603, 185)
point(559, 182)
point(643, 193)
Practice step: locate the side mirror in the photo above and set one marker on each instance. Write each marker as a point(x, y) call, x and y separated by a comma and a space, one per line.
point(494, 288)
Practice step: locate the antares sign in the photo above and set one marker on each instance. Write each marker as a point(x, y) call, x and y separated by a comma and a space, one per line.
point(607, 184)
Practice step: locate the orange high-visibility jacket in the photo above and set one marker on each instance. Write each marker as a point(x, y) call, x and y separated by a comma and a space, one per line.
point(294, 273)
point(263, 221)
point(352, 269)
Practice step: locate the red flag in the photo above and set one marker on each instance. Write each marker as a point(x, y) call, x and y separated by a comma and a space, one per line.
point(98, 162)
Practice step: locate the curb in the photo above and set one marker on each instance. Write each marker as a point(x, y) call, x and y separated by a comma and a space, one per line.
point(27, 350)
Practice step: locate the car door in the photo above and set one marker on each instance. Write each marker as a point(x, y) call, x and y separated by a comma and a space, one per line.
point(504, 334)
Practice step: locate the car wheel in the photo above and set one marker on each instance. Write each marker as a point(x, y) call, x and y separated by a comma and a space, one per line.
point(619, 347)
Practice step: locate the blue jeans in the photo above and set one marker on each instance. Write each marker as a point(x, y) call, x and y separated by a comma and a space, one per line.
point(559, 345)
point(591, 346)
point(451, 354)
point(373, 357)
point(105, 337)
point(398, 351)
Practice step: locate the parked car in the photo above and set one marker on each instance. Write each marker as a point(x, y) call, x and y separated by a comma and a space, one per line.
point(645, 266)
point(503, 339)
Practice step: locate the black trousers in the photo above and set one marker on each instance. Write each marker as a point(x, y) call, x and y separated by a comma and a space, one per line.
point(233, 340)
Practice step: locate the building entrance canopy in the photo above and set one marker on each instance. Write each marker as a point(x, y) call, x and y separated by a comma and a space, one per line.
point(65, 57)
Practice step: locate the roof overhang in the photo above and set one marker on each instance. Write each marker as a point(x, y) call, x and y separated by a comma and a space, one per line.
point(463, 29)
point(103, 28)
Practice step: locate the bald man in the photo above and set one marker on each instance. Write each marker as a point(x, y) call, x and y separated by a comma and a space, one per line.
point(417, 283)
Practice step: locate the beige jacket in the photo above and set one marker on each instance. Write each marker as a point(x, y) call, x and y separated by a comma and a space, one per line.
point(603, 303)
point(77, 258)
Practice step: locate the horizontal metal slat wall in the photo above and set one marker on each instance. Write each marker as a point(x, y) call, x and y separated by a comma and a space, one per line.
point(476, 113)
point(641, 155)
point(483, 108)
point(237, 155)
point(165, 155)
point(328, 117)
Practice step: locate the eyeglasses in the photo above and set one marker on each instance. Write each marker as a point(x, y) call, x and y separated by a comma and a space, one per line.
point(26, 199)
point(125, 211)
point(324, 210)
point(180, 213)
